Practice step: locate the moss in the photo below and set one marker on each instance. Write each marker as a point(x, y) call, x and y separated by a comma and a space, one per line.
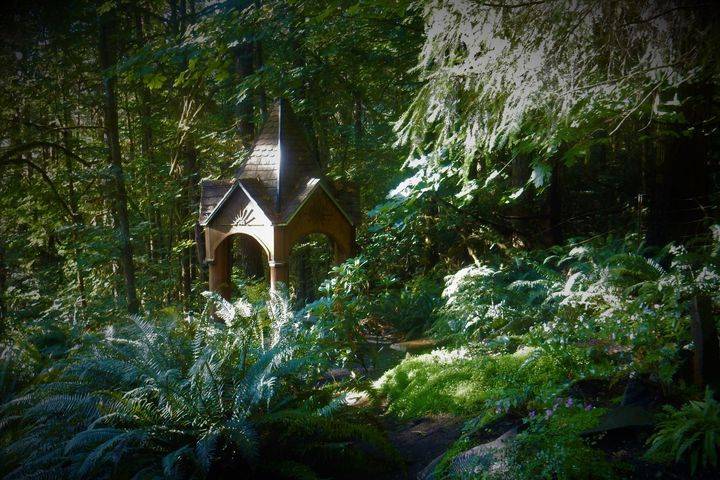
point(453, 382)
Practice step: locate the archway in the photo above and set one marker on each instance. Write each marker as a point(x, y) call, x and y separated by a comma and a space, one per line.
point(250, 273)
point(238, 259)
point(311, 259)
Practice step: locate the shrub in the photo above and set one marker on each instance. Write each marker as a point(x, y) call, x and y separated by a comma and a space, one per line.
point(553, 447)
point(691, 434)
point(188, 398)
point(606, 297)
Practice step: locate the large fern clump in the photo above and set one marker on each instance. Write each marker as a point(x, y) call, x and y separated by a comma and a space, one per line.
point(609, 297)
point(690, 434)
point(188, 398)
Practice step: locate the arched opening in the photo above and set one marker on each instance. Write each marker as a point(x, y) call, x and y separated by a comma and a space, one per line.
point(311, 259)
point(250, 273)
point(240, 263)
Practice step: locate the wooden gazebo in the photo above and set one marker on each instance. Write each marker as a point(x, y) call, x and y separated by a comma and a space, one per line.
point(278, 196)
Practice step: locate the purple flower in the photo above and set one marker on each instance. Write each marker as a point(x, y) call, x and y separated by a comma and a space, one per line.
point(588, 407)
point(532, 413)
point(548, 413)
point(569, 402)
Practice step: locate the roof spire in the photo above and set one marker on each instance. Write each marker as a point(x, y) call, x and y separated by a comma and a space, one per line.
point(280, 159)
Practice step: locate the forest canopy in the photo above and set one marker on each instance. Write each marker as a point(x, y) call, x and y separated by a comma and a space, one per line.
point(534, 277)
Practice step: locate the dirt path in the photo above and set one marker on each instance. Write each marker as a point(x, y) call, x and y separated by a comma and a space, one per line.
point(420, 441)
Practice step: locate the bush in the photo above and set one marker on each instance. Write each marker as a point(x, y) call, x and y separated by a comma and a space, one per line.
point(690, 434)
point(188, 398)
point(606, 297)
point(552, 447)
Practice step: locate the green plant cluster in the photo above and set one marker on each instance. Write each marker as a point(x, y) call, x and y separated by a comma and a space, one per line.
point(528, 326)
point(459, 382)
point(691, 433)
point(609, 298)
point(189, 397)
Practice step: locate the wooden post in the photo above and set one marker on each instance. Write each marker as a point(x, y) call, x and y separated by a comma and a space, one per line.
point(279, 272)
point(706, 370)
point(220, 269)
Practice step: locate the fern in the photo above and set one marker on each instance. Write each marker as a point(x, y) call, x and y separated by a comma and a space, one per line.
point(691, 434)
point(178, 397)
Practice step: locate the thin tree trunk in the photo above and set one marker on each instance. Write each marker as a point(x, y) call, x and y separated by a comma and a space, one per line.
point(3, 282)
point(244, 67)
point(706, 368)
point(556, 236)
point(146, 149)
point(76, 217)
point(108, 60)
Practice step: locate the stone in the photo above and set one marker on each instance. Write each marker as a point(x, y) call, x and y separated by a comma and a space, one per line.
point(639, 392)
point(488, 457)
point(624, 417)
point(414, 346)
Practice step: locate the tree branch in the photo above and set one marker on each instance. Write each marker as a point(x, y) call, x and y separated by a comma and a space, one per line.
point(45, 176)
point(11, 152)
point(666, 12)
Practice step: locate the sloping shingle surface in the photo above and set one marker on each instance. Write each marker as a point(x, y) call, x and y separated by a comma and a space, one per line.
point(280, 172)
point(211, 192)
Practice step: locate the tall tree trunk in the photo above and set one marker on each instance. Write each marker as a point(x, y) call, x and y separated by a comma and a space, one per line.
point(76, 217)
point(188, 207)
point(3, 283)
point(189, 173)
point(678, 199)
point(358, 119)
point(108, 60)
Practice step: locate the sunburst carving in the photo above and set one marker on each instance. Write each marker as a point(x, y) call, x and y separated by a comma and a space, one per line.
point(245, 217)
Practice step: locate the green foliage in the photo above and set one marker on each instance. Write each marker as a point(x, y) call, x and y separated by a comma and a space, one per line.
point(605, 297)
point(545, 77)
point(460, 383)
point(188, 398)
point(690, 434)
point(553, 447)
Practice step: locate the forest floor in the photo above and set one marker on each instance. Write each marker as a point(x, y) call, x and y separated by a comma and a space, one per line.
point(421, 440)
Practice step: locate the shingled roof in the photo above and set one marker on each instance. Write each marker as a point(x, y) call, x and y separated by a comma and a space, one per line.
point(279, 175)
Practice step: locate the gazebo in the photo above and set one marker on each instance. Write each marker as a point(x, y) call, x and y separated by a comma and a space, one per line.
point(278, 196)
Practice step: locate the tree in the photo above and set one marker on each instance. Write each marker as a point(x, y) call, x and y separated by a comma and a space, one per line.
point(108, 60)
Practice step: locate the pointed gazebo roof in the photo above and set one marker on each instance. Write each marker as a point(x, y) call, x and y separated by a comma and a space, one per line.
point(279, 175)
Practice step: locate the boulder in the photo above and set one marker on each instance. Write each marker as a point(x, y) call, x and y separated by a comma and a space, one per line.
point(488, 457)
point(622, 418)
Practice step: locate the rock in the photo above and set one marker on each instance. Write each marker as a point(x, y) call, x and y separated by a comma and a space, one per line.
point(623, 417)
point(428, 473)
point(488, 457)
point(639, 392)
point(412, 346)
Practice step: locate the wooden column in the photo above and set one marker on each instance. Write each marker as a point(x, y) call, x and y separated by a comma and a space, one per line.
point(279, 272)
point(220, 269)
point(342, 250)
